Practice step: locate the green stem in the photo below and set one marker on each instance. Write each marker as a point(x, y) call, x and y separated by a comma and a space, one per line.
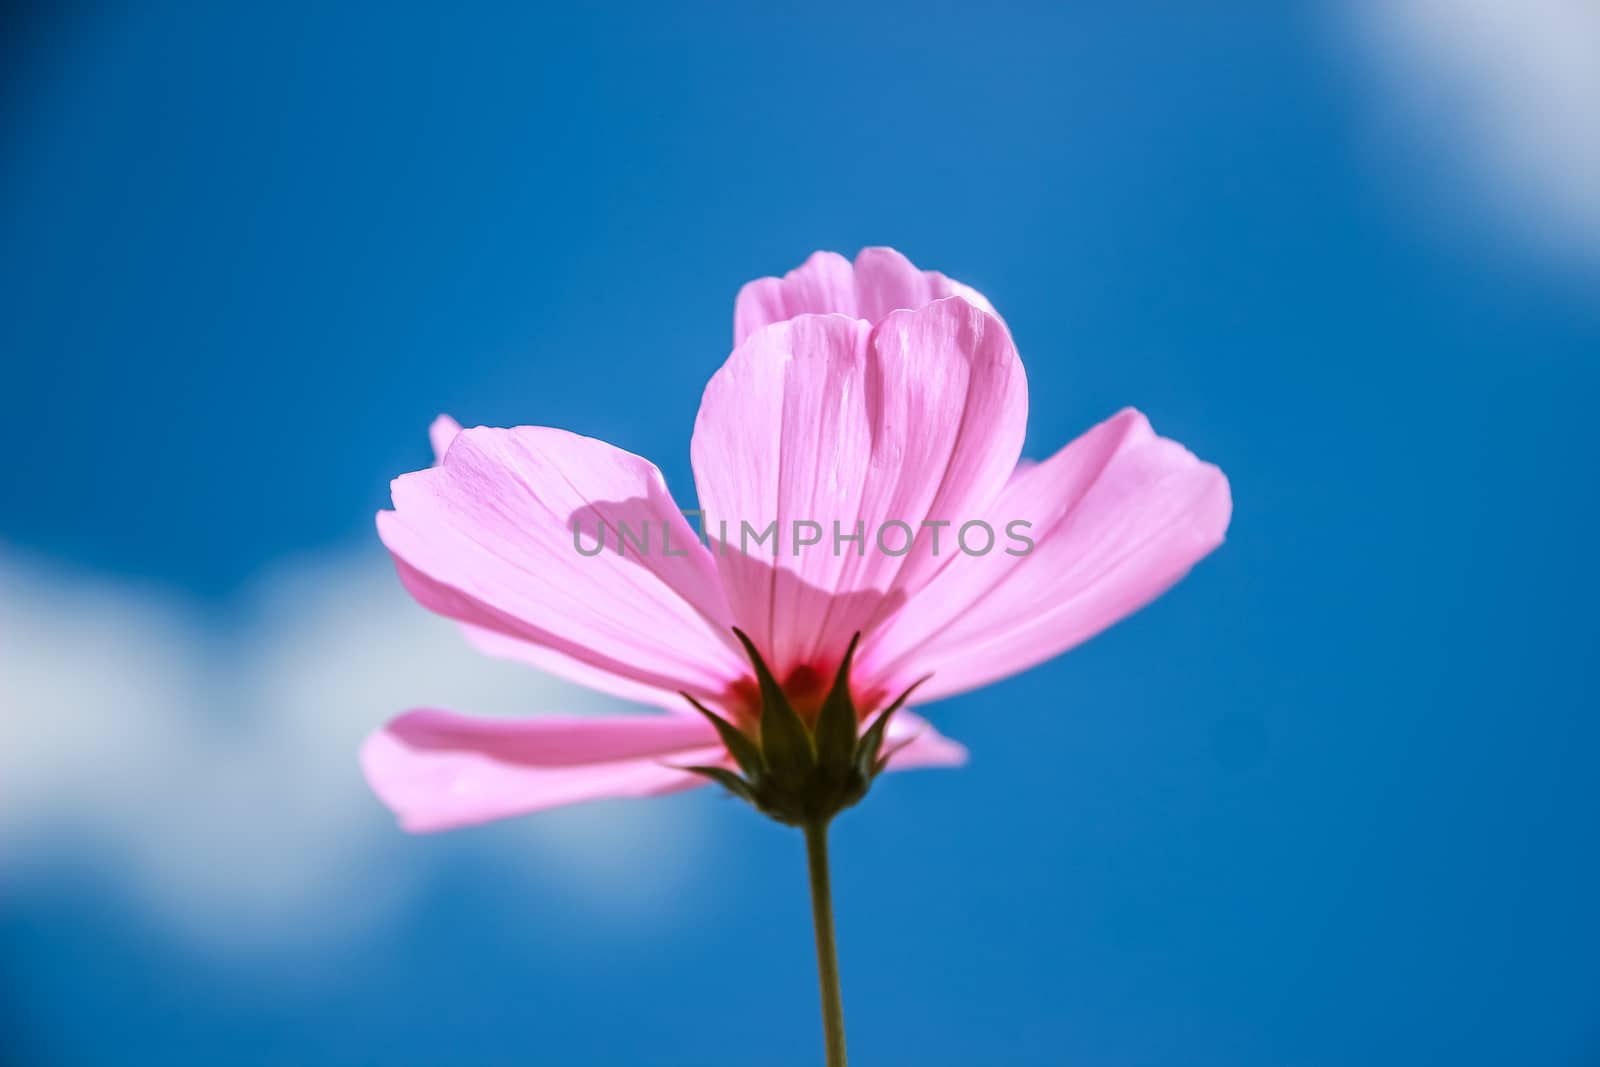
point(827, 951)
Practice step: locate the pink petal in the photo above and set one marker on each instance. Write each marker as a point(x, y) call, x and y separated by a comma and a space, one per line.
point(822, 419)
point(880, 281)
point(1117, 517)
point(551, 661)
point(441, 432)
point(436, 770)
point(487, 538)
point(915, 744)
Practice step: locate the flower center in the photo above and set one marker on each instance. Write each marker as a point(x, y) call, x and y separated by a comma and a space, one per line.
point(798, 742)
point(806, 686)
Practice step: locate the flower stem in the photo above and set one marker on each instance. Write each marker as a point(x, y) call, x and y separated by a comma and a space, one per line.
point(827, 952)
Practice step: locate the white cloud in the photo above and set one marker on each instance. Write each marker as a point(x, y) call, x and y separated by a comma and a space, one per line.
point(1510, 89)
point(206, 766)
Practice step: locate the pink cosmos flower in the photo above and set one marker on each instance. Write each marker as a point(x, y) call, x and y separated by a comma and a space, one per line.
point(865, 396)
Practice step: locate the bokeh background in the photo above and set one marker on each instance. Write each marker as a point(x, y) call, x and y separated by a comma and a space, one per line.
point(1331, 801)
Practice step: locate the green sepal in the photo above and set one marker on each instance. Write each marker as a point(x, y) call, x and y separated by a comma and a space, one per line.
point(882, 762)
point(727, 779)
point(868, 764)
point(745, 752)
point(786, 744)
point(837, 725)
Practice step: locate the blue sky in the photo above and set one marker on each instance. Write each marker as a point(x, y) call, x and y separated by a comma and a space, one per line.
point(1325, 803)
